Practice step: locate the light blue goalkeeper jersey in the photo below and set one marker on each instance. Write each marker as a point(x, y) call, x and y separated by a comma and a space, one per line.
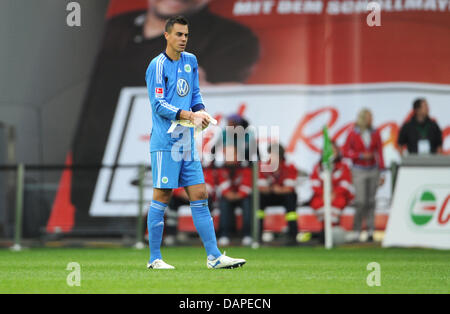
point(172, 86)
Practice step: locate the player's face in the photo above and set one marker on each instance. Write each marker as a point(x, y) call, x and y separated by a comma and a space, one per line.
point(167, 8)
point(177, 37)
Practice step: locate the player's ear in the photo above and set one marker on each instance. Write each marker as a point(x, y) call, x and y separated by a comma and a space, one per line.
point(166, 35)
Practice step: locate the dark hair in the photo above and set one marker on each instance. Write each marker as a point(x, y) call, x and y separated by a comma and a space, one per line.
point(417, 103)
point(176, 20)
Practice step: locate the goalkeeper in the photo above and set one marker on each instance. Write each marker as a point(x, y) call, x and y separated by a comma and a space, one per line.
point(173, 88)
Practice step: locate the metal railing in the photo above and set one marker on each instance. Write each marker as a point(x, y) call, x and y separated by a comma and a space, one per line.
point(21, 188)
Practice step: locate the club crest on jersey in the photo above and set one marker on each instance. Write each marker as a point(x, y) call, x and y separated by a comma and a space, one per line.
point(159, 92)
point(182, 87)
point(187, 68)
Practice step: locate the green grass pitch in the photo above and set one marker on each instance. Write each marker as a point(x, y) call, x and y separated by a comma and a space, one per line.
point(268, 270)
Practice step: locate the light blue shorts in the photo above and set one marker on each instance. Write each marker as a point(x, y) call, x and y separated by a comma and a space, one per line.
point(171, 170)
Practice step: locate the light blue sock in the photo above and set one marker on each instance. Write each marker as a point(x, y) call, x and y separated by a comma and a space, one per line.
point(155, 225)
point(204, 224)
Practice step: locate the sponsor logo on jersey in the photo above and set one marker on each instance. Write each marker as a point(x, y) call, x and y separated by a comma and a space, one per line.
point(182, 87)
point(159, 92)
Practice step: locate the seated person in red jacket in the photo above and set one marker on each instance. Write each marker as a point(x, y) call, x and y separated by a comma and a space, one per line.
point(342, 189)
point(233, 190)
point(278, 188)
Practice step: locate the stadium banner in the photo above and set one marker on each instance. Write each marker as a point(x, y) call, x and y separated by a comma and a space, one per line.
point(301, 112)
point(420, 213)
point(293, 63)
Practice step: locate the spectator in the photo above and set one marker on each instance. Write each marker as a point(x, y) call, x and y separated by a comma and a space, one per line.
point(234, 189)
point(236, 131)
point(278, 188)
point(420, 135)
point(342, 189)
point(365, 148)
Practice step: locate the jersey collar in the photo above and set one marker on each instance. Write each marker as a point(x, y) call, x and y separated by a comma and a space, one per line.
point(170, 59)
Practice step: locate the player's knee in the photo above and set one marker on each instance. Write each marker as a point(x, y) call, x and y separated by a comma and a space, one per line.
point(162, 195)
point(201, 195)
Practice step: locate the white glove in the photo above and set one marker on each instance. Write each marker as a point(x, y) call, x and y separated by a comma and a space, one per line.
point(189, 124)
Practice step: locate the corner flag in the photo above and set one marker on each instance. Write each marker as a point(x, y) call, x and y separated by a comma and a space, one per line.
point(327, 153)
